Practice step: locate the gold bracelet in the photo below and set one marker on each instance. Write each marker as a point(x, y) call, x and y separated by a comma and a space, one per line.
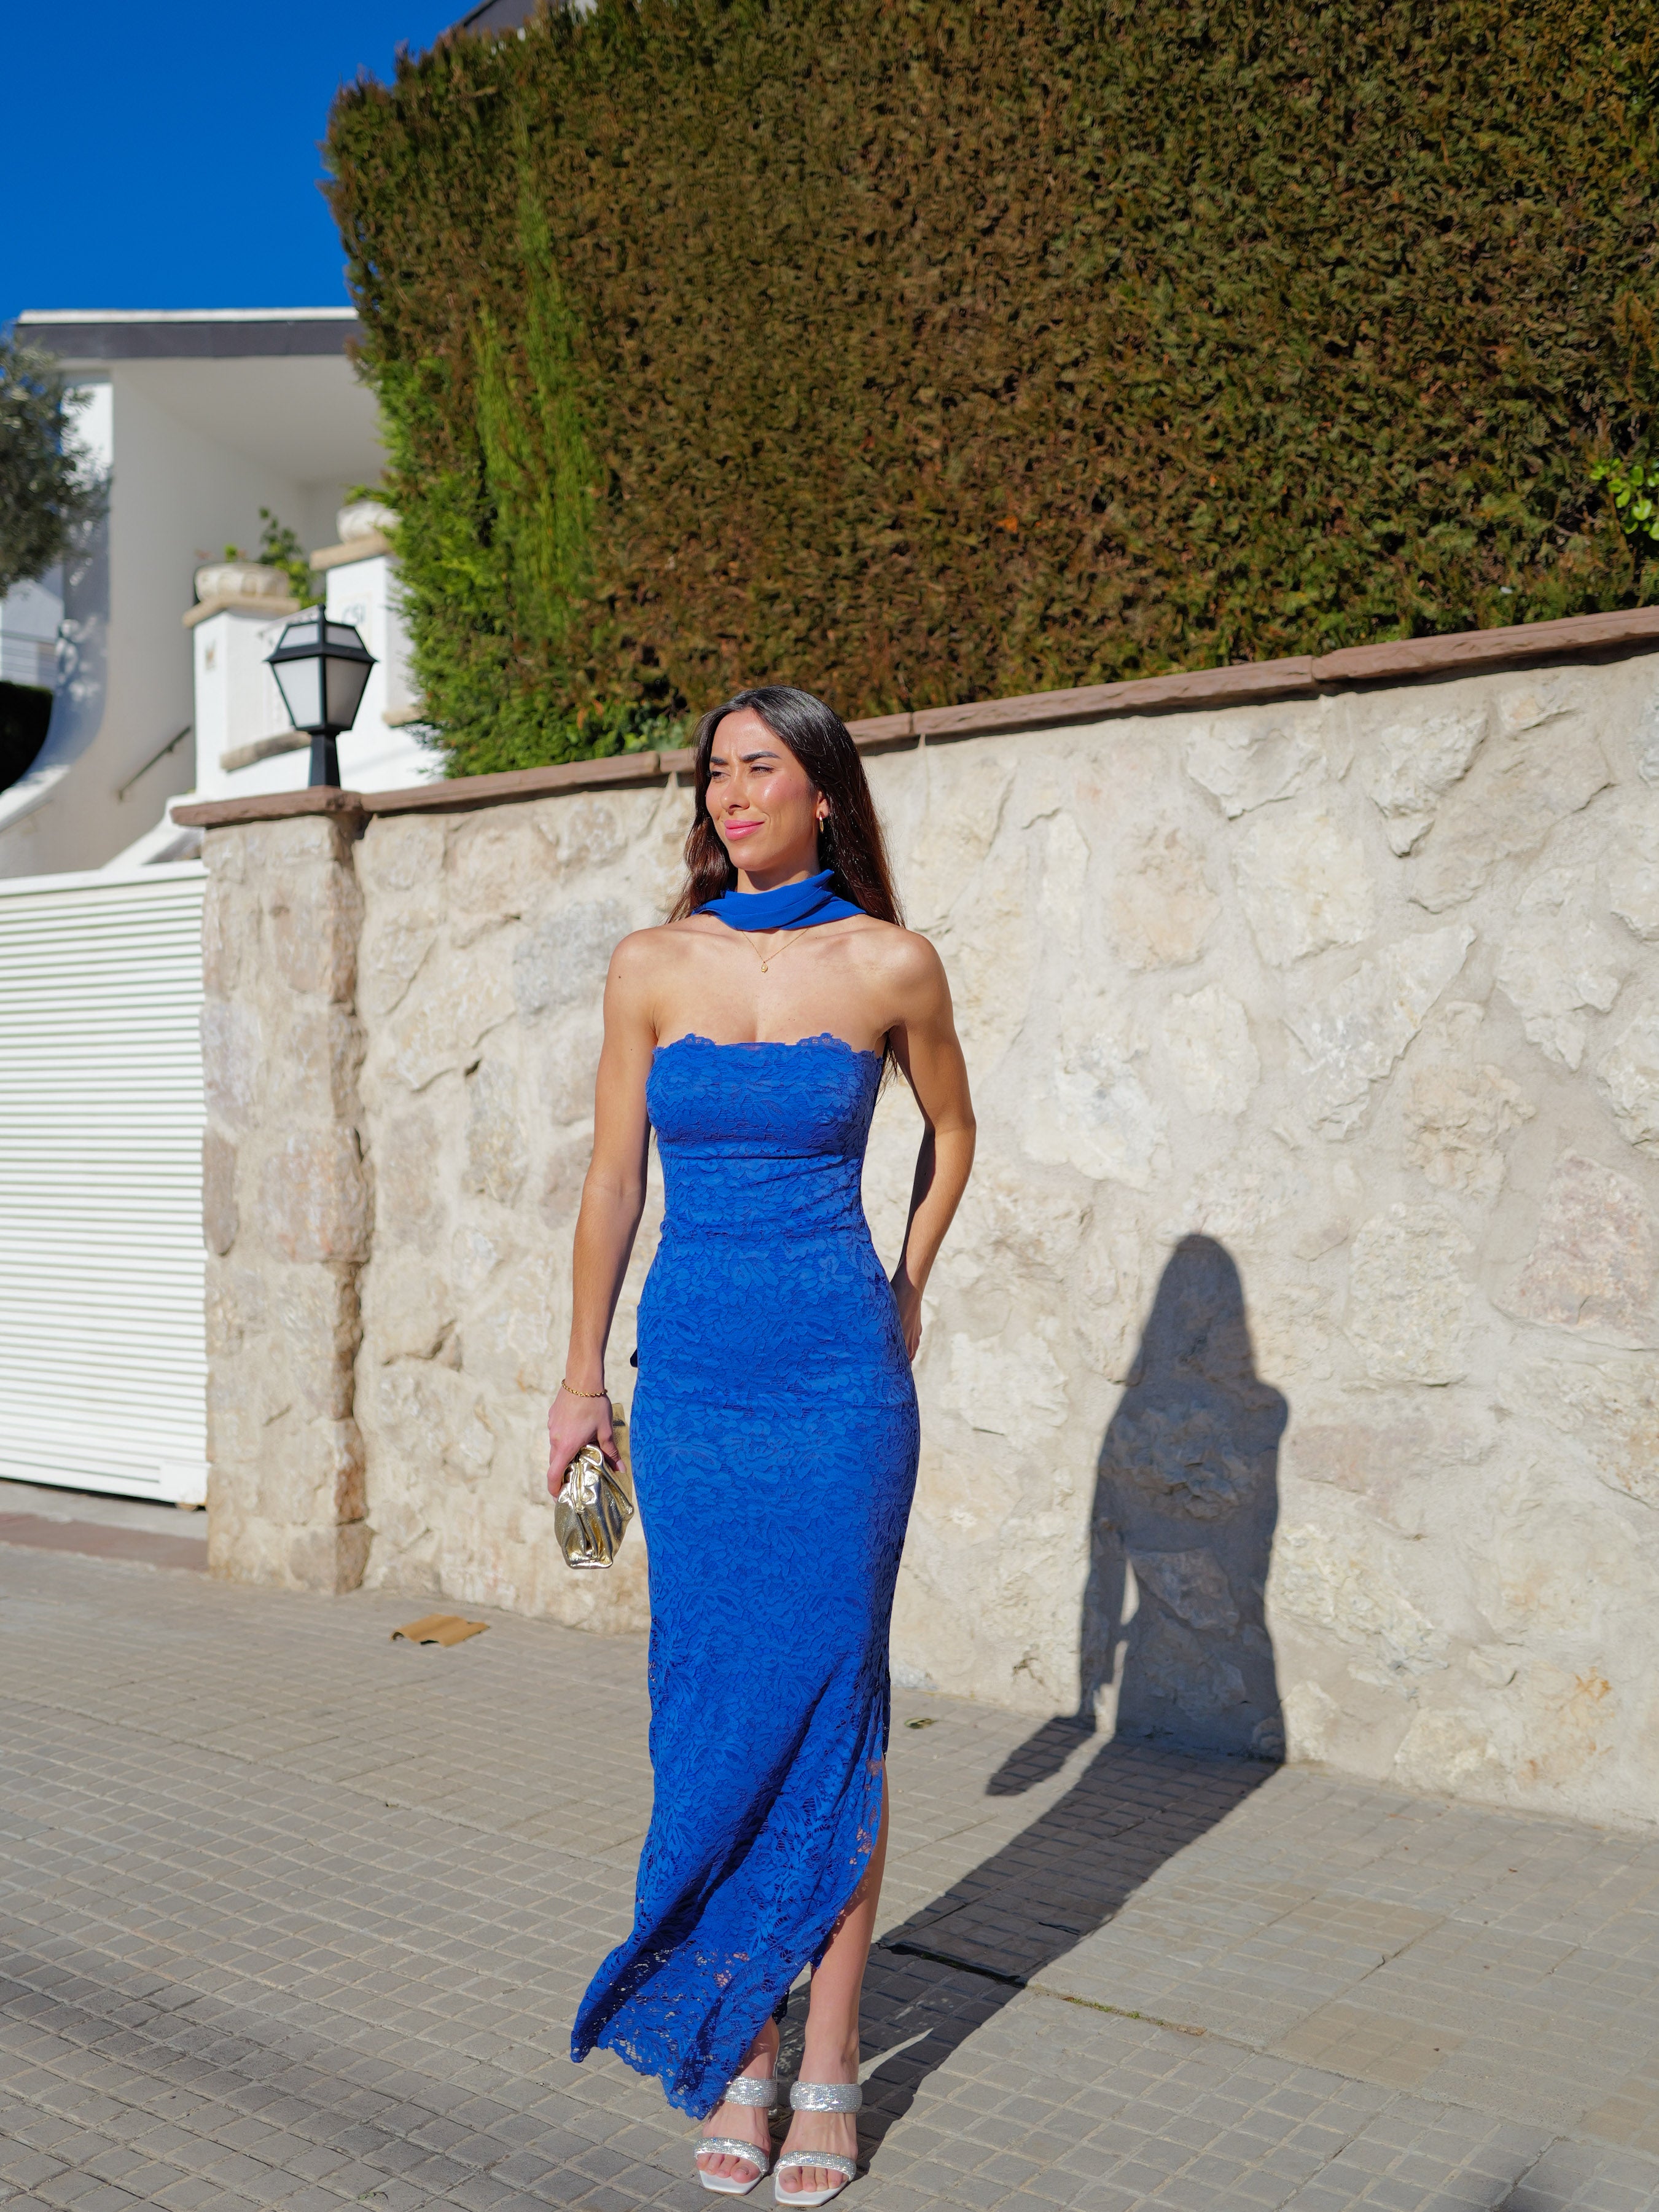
point(571, 1391)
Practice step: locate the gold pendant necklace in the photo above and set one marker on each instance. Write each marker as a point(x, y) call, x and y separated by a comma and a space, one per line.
point(777, 952)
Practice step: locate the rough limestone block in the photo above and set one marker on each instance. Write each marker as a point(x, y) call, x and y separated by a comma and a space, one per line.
point(960, 819)
point(991, 946)
point(310, 1474)
point(400, 853)
point(515, 1339)
point(409, 1307)
point(498, 866)
point(1633, 879)
point(1160, 907)
point(1644, 742)
point(312, 919)
point(1090, 1111)
point(1206, 1036)
point(1518, 790)
point(1005, 1387)
point(409, 1208)
point(314, 1198)
point(561, 964)
point(1348, 1587)
point(395, 945)
point(1244, 765)
point(1354, 1036)
point(1408, 1296)
point(560, 1061)
point(1450, 1750)
point(1551, 968)
point(1629, 1079)
point(1609, 1407)
point(1408, 768)
point(314, 1313)
point(1596, 1257)
point(496, 1154)
point(230, 935)
point(313, 1057)
point(1385, 1462)
point(219, 1215)
point(329, 1559)
point(233, 1061)
point(1240, 1198)
point(1192, 1585)
point(1304, 883)
point(237, 1307)
point(453, 1003)
point(1453, 1118)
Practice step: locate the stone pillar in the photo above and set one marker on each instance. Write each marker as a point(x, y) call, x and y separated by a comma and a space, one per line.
point(286, 1200)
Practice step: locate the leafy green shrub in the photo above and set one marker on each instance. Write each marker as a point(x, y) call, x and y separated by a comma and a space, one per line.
point(921, 350)
point(51, 495)
point(280, 548)
point(1633, 486)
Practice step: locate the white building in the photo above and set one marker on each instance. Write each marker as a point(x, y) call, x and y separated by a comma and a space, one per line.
point(155, 645)
point(202, 419)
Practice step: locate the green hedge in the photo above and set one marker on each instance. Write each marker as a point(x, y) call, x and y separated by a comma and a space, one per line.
point(923, 350)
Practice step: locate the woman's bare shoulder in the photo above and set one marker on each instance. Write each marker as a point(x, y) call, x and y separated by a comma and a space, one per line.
point(644, 948)
point(906, 958)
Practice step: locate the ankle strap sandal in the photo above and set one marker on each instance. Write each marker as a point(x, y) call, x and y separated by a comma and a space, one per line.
point(817, 2097)
point(757, 2089)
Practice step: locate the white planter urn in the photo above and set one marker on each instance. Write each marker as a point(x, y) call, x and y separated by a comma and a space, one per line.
point(241, 579)
point(364, 518)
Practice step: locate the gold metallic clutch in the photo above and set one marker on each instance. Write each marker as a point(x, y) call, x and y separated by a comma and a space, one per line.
point(595, 1503)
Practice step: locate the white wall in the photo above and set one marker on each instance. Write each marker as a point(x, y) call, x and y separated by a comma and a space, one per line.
point(178, 495)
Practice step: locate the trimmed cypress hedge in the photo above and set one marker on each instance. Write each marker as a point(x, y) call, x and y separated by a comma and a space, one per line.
point(923, 350)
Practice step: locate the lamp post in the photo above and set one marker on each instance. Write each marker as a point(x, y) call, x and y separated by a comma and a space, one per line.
point(321, 668)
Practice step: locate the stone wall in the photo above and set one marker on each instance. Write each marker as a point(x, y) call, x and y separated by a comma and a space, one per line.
point(286, 1209)
point(1288, 1377)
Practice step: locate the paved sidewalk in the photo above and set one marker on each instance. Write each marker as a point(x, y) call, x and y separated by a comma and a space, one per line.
point(291, 1914)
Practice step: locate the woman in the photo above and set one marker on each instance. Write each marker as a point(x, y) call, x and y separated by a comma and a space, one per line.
point(774, 1431)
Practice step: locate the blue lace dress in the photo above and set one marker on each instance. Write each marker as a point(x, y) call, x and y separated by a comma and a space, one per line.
point(775, 1442)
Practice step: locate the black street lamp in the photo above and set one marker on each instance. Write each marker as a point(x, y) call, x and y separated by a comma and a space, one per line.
point(321, 668)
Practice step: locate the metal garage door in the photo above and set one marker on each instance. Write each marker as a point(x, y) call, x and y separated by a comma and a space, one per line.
point(102, 1362)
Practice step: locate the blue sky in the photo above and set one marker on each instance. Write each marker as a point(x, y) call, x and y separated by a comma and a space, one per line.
point(166, 157)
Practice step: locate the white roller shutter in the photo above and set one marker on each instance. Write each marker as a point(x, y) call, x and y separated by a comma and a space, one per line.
point(103, 1364)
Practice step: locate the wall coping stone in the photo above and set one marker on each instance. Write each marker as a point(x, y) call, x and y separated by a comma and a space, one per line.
point(369, 547)
point(1577, 637)
point(239, 603)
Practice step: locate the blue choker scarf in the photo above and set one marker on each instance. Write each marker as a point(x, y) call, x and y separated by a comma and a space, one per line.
point(791, 906)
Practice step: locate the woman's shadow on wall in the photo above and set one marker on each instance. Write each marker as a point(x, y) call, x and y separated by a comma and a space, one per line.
point(1173, 1646)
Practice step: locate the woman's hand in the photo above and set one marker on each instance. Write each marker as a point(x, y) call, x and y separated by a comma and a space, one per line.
point(908, 1298)
point(573, 1423)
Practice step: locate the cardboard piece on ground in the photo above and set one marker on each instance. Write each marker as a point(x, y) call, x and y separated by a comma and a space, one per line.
point(439, 1628)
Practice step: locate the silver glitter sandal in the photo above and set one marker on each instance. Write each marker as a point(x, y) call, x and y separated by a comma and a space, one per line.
point(818, 2097)
point(760, 2089)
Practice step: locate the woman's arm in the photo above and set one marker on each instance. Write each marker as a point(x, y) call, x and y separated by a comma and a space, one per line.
point(925, 1045)
point(613, 1198)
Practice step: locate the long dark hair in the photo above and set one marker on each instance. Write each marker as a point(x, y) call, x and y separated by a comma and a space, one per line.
point(850, 842)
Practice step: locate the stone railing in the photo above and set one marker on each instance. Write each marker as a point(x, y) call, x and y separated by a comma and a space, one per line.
point(1289, 1374)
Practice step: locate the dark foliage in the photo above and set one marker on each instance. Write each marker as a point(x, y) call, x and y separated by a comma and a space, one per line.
point(51, 494)
point(25, 713)
point(921, 350)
